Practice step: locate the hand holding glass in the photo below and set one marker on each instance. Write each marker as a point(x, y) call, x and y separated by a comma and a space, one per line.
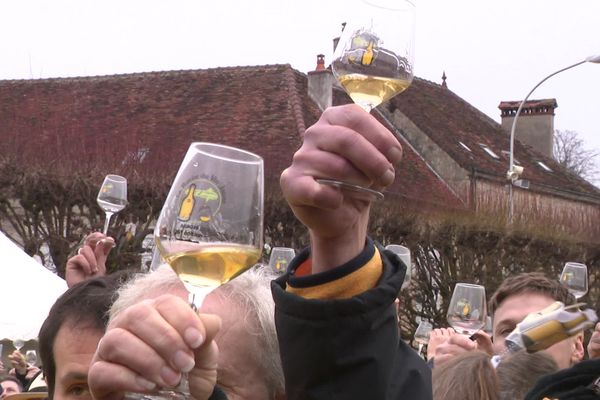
point(373, 61)
point(575, 277)
point(112, 197)
point(467, 311)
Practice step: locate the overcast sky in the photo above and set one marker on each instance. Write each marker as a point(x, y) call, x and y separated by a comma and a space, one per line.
point(490, 50)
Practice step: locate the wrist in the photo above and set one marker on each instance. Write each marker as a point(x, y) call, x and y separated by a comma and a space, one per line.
point(329, 252)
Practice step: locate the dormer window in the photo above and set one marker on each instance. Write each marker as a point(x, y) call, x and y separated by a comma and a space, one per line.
point(544, 166)
point(489, 151)
point(464, 146)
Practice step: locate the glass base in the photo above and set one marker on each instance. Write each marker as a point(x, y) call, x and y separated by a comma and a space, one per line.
point(355, 191)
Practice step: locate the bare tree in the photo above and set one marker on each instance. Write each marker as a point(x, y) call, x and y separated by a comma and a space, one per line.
point(570, 152)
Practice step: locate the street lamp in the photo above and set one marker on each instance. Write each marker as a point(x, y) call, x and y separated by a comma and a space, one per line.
point(515, 171)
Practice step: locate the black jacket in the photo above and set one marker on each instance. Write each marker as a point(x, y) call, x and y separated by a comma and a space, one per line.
point(578, 382)
point(348, 349)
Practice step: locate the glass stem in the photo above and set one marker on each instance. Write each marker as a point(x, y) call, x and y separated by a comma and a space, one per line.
point(107, 221)
point(420, 349)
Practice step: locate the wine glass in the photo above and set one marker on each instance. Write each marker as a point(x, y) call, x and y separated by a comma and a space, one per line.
point(280, 258)
point(404, 254)
point(422, 334)
point(210, 227)
point(467, 311)
point(112, 197)
point(373, 61)
point(575, 277)
point(18, 343)
point(31, 357)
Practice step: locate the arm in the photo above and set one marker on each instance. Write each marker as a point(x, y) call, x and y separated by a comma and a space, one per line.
point(332, 347)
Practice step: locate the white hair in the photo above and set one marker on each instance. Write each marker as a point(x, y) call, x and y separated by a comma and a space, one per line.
point(251, 291)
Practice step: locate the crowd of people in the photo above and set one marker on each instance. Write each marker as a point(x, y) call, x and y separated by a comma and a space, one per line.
point(326, 329)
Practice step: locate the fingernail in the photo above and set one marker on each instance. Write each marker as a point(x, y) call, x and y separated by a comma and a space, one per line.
point(193, 337)
point(395, 155)
point(170, 376)
point(388, 177)
point(183, 361)
point(144, 383)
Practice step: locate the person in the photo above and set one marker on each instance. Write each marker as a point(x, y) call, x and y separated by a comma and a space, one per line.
point(70, 334)
point(468, 376)
point(579, 382)
point(248, 365)
point(515, 298)
point(10, 385)
point(336, 324)
point(519, 372)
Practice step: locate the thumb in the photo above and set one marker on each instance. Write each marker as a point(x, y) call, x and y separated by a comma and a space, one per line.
point(203, 377)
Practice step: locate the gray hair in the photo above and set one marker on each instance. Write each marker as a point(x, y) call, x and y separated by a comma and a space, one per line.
point(251, 291)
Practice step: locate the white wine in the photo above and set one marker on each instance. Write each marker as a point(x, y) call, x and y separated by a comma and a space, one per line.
point(112, 204)
point(202, 265)
point(370, 91)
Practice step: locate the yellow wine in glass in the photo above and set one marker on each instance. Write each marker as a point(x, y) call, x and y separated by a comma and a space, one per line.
point(373, 61)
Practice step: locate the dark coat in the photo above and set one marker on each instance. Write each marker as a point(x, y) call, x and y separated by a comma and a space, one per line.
point(348, 349)
point(578, 382)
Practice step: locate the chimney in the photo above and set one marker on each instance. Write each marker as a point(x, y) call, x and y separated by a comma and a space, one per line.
point(320, 82)
point(535, 125)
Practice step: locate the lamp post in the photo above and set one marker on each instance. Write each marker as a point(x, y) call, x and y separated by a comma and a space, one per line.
point(515, 171)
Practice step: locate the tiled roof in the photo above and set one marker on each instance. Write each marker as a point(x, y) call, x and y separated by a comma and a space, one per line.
point(449, 121)
point(74, 122)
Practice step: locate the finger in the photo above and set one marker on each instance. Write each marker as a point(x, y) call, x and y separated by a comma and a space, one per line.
point(109, 381)
point(203, 377)
point(324, 164)
point(354, 147)
point(101, 252)
point(452, 349)
point(169, 326)
point(90, 258)
point(306, 191)
point(79, 262)
point(352, 117)
point(462, 341)
point(121, 347)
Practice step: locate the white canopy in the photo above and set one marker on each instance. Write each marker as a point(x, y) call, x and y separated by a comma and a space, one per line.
point(28, 291)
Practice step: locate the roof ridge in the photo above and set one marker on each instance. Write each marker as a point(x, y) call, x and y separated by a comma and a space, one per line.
point(294, 99)
point(146, 73)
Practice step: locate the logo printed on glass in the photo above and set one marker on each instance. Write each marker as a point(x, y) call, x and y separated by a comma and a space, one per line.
point(200, 201)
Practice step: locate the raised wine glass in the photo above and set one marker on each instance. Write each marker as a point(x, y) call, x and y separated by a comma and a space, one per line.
point(31, 357)
point(422, 334)
point(210, 228)
point(373, 61)
point(404, 253)
point(575, 277)
point(280, 259)
point(18, 343)
point(112, 197)
point(467, 311)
